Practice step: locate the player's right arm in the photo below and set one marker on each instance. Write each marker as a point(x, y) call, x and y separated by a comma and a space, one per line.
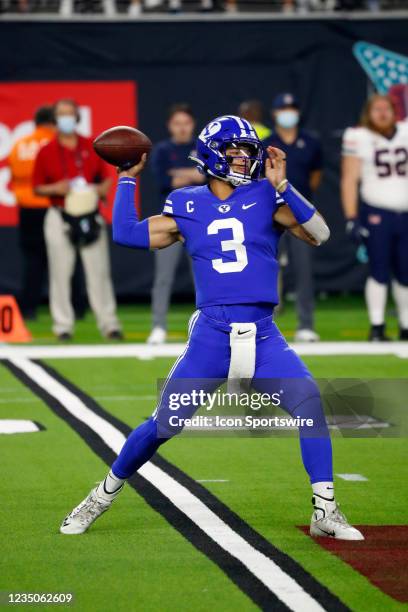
point(350, 173)
point(156, 232)
point(163, 231)
point(350, 181)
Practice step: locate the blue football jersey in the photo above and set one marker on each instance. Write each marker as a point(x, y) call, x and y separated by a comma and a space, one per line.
point(233, 243)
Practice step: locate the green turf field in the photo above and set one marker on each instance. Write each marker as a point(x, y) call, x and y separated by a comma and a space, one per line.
point(132, 559)
point(337, 318)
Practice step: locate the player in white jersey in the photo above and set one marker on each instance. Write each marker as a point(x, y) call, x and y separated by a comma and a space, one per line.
point(375, 172)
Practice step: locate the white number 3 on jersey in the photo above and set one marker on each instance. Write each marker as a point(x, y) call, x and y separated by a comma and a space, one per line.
point(236, 243)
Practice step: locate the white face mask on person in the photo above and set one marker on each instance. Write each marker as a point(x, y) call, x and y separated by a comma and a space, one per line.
point(287, 118)
point(66, 124)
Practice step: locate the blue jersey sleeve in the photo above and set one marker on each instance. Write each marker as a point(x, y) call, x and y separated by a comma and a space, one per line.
point(176, 206)
point(278, 199)
point(178, 203)
point(172, 204)
point(169, 207)
point(127, 230)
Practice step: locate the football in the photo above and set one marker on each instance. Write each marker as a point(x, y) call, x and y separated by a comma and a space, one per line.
point(122, 146)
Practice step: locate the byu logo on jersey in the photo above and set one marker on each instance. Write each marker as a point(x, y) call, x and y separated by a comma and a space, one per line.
point(224, 208)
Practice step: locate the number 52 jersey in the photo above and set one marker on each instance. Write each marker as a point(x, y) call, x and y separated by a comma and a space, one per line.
point(384, 165)
point(233, 243)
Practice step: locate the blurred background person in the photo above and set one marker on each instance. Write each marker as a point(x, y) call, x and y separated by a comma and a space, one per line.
point(69, 172)
point(375, 168)
point(32, 209)
point(304, 170)
point(253, 111)
point(172, 169)
point(136, 7)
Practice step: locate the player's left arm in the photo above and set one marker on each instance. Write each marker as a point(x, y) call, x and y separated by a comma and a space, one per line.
point(297, 215)
point(315, 180)
point(316, 166)
point(285, 220)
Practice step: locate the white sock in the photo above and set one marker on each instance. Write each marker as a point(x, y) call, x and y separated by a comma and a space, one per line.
point(324, 489)
point(110, 487)
point(400, 294)
point(323, 499)
point(376, 299)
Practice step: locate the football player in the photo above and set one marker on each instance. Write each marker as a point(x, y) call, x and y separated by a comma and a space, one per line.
point(231, 229)
point(375, 167)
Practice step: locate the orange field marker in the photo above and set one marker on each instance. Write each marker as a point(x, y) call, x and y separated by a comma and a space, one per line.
point(12, 326)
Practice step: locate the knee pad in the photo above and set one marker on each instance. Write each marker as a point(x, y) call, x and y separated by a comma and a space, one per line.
point(303, 401)
point(314, 420)
point(296, 391)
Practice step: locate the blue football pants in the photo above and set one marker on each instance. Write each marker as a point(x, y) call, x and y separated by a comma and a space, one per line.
point(207, 357)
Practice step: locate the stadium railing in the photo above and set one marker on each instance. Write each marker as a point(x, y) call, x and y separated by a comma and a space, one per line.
point(213, 8)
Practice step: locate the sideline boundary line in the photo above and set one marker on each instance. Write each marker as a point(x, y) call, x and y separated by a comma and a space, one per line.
point(145, 351)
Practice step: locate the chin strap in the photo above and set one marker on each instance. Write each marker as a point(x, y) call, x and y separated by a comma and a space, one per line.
point(235, 180)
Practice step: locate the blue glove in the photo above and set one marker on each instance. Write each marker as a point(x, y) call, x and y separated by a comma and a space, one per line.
point(356, 231)
point(361, 254)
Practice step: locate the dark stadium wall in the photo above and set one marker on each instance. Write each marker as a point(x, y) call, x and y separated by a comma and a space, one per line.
point(213, 66)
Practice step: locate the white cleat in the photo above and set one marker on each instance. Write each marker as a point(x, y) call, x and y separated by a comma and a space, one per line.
point(158, 335)
point(82, 517)
point(306, 335)
point(329, 522)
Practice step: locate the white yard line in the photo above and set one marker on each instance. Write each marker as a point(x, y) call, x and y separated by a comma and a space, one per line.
point(19, 400)
point(265, 569)
point(145, 351)
point(125, 398)
point(13, 426)
point(212, 480)
point(353, 477)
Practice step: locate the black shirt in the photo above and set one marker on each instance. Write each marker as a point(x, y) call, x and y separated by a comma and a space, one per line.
point(166, 156)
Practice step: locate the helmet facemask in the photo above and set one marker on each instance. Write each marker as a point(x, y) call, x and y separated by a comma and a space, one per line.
point(244, 161)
